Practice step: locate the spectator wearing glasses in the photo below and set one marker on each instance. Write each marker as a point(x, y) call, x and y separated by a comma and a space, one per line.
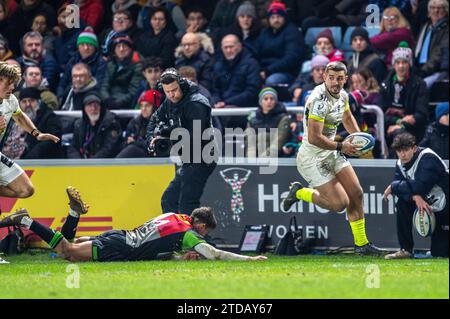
point(196, 50)
point(394, 28)
point(129, 5)
point(122, 23)
point(432, 41)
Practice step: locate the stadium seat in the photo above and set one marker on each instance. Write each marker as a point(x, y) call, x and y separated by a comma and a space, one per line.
point(311, 34)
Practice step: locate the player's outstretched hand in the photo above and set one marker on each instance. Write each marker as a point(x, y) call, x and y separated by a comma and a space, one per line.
point(47, 137)
point(190, 255)
point(260, 257)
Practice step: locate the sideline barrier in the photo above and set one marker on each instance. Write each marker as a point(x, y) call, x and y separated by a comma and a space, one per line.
point(125, 193)
point(246, 110)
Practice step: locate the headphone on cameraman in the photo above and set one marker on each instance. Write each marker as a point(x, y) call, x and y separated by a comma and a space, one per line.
point(172, 73)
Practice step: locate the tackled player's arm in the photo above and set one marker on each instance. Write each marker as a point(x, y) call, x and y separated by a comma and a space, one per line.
point(210, 252)
point(349, 121)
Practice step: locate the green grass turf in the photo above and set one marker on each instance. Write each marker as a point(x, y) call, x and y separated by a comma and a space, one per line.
point(39, 276)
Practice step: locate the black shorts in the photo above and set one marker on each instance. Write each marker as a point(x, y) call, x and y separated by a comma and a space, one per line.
point(110, 246)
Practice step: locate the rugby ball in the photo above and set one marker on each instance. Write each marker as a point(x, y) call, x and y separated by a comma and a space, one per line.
point(364, 141)
point(424, 223)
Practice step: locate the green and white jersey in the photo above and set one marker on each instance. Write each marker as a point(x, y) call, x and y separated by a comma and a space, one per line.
point(323, 107)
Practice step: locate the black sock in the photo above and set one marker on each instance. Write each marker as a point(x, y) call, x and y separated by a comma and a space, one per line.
point(70, 227)
point(48, 235)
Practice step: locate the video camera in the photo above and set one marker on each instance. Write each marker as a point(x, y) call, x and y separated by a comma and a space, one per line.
point(162, 146)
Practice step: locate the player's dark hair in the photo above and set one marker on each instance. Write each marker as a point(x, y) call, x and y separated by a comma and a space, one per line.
point(152, 62)
point(403, 141)
point(204, 215)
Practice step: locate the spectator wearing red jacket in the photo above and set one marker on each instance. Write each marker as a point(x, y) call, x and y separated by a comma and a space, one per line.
point(394, 29)
point(91, 12)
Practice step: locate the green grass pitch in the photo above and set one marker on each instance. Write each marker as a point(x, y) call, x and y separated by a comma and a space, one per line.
point(307, 276)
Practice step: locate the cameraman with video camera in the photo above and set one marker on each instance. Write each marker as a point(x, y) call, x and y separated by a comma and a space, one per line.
point(183, 108)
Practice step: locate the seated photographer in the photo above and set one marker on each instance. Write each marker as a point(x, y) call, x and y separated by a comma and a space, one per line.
point(97, 133)
point(189, 112)
point(134, 144)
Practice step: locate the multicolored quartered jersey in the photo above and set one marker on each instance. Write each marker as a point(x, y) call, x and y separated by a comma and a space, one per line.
point(165, 233)
point(323, 107)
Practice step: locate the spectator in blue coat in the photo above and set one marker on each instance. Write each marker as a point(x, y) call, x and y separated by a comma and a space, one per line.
point(279, 47)
point(236, 79)
point(88, 53)
point(34, 54)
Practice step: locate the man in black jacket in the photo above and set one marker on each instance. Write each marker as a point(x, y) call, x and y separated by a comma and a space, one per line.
point(404, 98)
point(45, 120)
point(97, 133)
point(436, 135)
point(187, 111)
point(420, 182)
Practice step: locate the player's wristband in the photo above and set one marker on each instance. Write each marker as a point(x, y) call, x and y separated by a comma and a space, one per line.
point(35, 132)
point(338, 146)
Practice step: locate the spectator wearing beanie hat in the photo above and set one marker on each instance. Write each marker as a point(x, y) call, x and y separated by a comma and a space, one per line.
point(88, 52)
point(97, 133)
point(436, 135)
point(325, 46)
point(45, 120)
point(134, 144)
point(123, 75)
point(404, 97)
point(279, 47)
point(306, 82)
point(246, 26)
point(270, 114)
point(364, 56)
point(223, 15)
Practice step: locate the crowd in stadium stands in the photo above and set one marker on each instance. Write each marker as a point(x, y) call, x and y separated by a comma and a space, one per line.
point(259, 53)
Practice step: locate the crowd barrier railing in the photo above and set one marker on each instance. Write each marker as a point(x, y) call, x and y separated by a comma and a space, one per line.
point(246, 110)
